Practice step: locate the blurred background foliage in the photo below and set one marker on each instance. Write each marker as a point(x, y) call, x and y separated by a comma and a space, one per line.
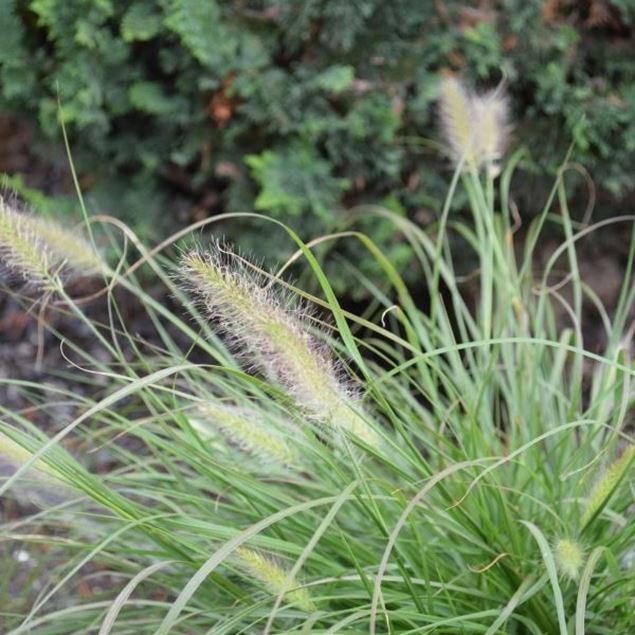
point(308, 109)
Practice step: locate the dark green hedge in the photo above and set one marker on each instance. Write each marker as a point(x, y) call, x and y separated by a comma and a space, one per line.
point(303, 108)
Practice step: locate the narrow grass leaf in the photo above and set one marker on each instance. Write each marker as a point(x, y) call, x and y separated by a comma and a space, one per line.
point(550, 565)
point(583, 589)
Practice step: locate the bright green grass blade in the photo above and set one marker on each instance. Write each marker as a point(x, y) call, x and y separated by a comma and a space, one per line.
point(583, 589)
point(550, 564)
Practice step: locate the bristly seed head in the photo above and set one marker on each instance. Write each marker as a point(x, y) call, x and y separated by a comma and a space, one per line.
point(246, 429)
point(457, 120)
point(39, 249)
point(491, 111)
point(275, 337)
point(475, 127)
point(17, 455)
point(269, 573)
point(569, 558)
point(44, 483)
point(607, 484)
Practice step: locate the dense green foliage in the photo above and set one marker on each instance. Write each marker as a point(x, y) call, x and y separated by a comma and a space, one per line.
point(302, 109)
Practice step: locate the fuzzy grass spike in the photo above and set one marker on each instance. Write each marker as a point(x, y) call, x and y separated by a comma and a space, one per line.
point(475, 127)
point(569, 558)
point(457, 120)
point(491, 114)
point(270, 574)
point(43, 483)
point(20, 249)
point(241, 428)
point(274, 337)
point(607, 485)
point(38, 249)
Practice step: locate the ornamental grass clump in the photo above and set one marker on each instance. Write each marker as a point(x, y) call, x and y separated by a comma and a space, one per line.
point(239, 467)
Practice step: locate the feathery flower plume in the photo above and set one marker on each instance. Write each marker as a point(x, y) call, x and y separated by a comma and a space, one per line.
point(275, 338)
point(491, 111)
point(241, 427)
point(569, 558)
point(38, 249)
point(475, 126)
point(46, 485)
point(607, 485)
point(19, 454)
point(457, 120)
point(273, 577)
